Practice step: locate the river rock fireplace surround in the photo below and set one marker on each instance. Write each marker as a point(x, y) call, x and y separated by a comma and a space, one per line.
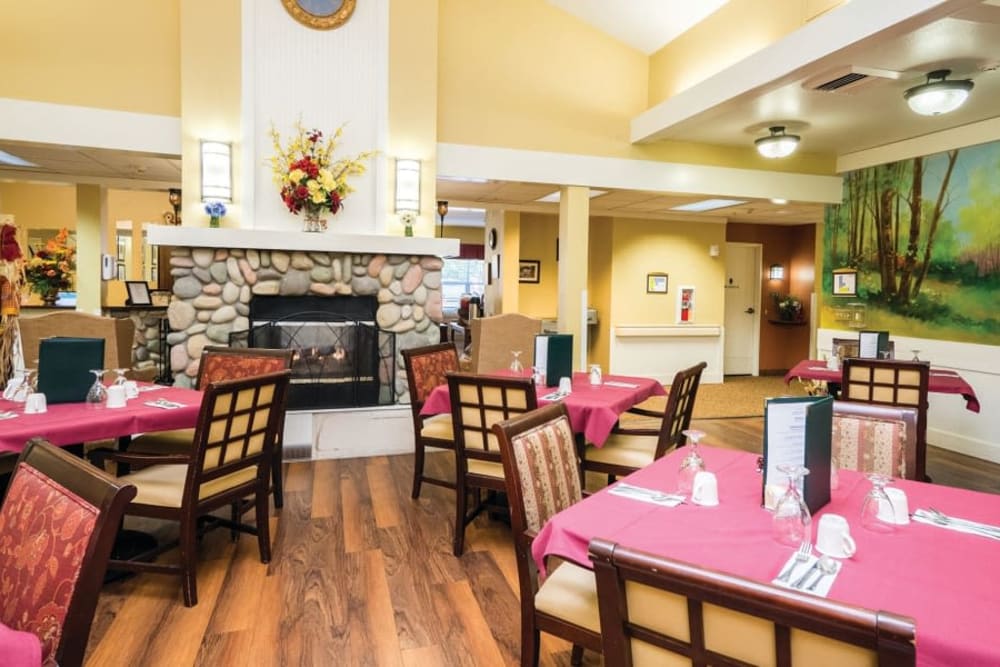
point(218, 273)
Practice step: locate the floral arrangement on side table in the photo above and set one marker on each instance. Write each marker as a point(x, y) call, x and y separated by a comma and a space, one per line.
point(789, 307)
point(215, 211)
point(51, 268)
point(308, 177)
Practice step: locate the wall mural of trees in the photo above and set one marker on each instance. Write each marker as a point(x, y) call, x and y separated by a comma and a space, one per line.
point(924, 237)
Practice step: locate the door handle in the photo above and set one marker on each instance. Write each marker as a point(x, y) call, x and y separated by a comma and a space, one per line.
point(749, 311)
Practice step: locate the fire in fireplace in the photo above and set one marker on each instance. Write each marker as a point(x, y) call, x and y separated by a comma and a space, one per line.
point(341, 359)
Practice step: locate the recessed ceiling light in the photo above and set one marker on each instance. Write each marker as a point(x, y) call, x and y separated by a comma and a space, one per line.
point(463, 179)
point(778, 201)
point(708, 205)
point(553, 197)
point(14, 161)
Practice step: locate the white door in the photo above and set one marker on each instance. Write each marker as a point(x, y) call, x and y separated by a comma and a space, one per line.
point(742, 315)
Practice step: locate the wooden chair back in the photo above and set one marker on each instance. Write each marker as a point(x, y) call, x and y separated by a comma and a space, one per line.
point(480, 401)
point(657, 611)
point(426, 369)
point(235, 436)
point(495, 337)
point(679, 408)
point(891, 382)
point(875, 438)
point(70, 511)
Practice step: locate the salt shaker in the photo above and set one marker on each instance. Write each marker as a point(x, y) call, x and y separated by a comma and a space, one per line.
point(595, 374)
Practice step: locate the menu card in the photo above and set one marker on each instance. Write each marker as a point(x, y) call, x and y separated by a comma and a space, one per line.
point(554, 353)
point(873, 344)
point(797, 431)
point(64, 366)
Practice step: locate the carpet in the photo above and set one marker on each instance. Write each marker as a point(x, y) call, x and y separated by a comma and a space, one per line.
point(737, 396)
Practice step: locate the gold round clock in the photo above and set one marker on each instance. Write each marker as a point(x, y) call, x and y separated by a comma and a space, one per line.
point(320, 14)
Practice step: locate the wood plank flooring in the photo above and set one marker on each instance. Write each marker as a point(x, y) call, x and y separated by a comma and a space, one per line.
point(363, 575)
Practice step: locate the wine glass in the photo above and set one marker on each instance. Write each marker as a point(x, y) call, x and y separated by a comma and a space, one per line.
point(97, 394)
point(120, 376)
point(916, 355)
point(692, 463)
point(26, 387)
point(876, 511)
point(516, 366)
point(792, 523)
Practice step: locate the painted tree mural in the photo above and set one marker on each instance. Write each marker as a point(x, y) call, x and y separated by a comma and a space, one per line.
point(924, 236)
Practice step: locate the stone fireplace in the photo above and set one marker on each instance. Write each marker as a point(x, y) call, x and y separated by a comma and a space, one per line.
point(222, 276)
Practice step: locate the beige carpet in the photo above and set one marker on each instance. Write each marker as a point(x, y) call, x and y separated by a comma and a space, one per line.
point(738, 396)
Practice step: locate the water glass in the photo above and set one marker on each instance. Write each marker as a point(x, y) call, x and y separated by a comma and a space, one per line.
point(97, 394)
point(877, 513)
point(792, 522)
point(692, 463)
point(516, 366)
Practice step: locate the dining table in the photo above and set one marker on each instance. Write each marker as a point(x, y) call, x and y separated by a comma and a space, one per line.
point(593, 409)
point(945, 580)
point(157, 408)
point(940, 380)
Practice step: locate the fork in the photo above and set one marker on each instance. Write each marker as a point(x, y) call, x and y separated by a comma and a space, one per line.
point(801, 556)
point(943, 518)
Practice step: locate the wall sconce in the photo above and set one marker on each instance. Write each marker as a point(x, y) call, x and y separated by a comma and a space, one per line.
point(407, 186)
point(442, 211)
point(216, 171)
point(777, 272)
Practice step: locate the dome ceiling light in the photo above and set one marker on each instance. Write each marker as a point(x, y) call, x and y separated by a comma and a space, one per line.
point(778, 144)
point(938, 95)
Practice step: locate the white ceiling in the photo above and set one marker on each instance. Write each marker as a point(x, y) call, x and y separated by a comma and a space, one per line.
point(646, 25)
point(74, 164)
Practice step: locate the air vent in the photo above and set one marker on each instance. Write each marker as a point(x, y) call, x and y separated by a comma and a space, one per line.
point(849, 79)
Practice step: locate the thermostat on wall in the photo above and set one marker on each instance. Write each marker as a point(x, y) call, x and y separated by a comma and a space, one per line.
point(107, 267)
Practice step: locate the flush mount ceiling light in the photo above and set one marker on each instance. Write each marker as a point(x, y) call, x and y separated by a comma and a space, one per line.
point(938, 95)
point(778, 144)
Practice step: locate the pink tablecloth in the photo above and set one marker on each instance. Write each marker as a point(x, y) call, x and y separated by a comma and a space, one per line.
point(945, 580)
point(71, 423)
point(19, 649)
point(941, 380)
point(593, 410)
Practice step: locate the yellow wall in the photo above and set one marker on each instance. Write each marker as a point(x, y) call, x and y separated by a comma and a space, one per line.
point(37, 206)
point(99, 53)
point(538, 241)
point(473, 235)
point(679, 249)
point(599, 290)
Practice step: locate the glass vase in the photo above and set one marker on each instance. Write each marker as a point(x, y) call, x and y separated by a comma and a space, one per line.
point(313, 222)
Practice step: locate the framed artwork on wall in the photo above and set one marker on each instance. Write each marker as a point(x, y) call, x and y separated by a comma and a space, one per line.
point(845, 282)
point(320, 14)
point(656, 283)
point(138, 293)
point(528, 271)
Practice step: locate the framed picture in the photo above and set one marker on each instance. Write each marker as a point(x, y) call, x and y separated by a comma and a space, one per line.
point(138, 293)
point(320, 14)
point(656, 283)
point(528, 271)
point(845, 282)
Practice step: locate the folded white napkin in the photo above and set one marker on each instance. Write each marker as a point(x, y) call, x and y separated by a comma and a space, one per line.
point(164, 404)
point(619, 383)
point(653, 496)
point(554, 396)
point(959, 525)
point(7, 415)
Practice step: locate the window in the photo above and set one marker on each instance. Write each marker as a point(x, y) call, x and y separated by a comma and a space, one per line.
point(461, 276)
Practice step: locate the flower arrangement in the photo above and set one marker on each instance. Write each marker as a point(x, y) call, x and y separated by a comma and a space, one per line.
point(51, 268)
point(215, 210)
point(789, 307)
point(308, 177)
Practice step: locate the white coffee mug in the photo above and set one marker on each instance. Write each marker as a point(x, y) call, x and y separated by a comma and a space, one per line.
point(595, 374)
point(131, 389)
point(565, 385)
point(899, 513)
point(833, 363)
point(705, 489)
point(35, 404)
point(116, 396)
point(833, 537)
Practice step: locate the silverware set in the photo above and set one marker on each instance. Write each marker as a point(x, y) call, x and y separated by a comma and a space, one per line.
point(814, 574)
point(934, 517)
point(7, 415)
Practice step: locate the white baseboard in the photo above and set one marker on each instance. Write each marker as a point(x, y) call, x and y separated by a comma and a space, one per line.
point(957, 442)
point(359, 432)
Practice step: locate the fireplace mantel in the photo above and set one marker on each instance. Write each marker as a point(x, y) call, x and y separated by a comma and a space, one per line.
point(275, 239)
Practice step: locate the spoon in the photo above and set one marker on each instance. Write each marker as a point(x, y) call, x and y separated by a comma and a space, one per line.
point(826, 566)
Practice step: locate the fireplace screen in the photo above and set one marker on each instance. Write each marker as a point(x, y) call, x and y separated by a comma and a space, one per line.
point(338, 362)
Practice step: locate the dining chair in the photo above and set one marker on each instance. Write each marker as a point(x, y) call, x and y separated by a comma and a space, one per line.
point(224, 363)
point(425, 370)
point(57, 525)
point(875, 438)
point(495, 337)
point(628, 449)
point(542, 472)
point(477, 403)
point(230, 459)
point(655, 611)
point(896, 383)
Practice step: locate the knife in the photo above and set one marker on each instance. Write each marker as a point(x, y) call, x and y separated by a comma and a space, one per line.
point(798, 583)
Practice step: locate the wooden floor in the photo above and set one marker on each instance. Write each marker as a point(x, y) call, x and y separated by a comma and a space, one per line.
point(362, 575)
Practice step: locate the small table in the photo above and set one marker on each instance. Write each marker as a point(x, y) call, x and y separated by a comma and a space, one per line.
point(72, 423)
point(593, 409)
point(944, 579)
point(941, 380)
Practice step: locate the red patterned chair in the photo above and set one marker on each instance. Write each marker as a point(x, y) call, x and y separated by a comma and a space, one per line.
point(542, 471)
point(57, 525)
point(224, 363)
point(425, 369)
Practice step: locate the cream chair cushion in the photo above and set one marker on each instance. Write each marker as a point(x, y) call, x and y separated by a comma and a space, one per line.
point(570, 593)
point(178, 441)
point(634, 451)
point(438, 427)
point(163, 485)
point(485, 468)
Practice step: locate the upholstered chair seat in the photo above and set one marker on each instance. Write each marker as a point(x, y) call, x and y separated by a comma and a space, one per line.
point(438, 427)
point(570, 593)
point(621, 449)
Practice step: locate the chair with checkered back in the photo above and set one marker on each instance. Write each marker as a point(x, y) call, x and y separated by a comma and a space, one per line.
point(426, 369)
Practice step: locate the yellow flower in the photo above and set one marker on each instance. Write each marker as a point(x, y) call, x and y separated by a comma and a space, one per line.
point(296, 175)
point(327, 180)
